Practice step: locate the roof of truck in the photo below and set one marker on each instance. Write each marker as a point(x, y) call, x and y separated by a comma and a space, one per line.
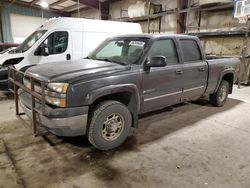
point(152, 36)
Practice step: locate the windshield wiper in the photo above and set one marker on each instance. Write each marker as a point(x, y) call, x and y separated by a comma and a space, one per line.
point(107, 60)
point(112, 61)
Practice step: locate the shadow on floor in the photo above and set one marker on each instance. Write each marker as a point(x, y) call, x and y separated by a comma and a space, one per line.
point(77, 156)
point(4, 95)
point(160, 123)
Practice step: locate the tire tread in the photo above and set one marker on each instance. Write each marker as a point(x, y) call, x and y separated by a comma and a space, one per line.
point(96, 112)
point(214, 97)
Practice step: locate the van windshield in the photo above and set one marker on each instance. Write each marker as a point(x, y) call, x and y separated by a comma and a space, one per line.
point(122, 51)
point(28, 42)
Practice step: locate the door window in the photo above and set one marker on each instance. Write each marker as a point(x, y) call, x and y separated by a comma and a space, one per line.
point(191, 50)
point(57, 42)
point(165, 48)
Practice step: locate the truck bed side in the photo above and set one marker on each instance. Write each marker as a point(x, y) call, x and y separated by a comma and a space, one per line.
point(219, 68)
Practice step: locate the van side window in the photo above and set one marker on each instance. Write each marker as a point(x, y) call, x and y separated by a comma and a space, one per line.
point(57, 42)
point(166, 48)
point(191, 50)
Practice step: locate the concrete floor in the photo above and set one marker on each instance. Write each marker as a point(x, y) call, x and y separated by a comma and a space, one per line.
point(189, 145)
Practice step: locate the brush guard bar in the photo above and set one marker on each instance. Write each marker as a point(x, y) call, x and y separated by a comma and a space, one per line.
point(14, 83)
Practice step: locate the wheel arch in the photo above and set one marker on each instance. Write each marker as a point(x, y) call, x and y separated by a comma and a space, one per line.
point(126, 94)
point(227, 76)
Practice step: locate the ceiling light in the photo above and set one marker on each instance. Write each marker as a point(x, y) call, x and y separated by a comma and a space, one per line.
point(44, 4)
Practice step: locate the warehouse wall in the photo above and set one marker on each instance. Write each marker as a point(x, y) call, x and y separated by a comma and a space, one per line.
point(8, 9)
point(218, 21)
point(214, 21)
point(210, 21)
point(19, 22)
point(168, 21)
point(90, 14)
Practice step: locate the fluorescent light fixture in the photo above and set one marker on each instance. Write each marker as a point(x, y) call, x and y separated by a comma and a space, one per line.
point(44, 4)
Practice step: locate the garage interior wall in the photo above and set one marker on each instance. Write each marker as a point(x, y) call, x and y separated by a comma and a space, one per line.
point(210, 21)
point(11, 9)
point(18, 22)
point(90, 14)
point(168, 21)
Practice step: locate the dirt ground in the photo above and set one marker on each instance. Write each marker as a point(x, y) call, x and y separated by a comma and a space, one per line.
point(189, 145)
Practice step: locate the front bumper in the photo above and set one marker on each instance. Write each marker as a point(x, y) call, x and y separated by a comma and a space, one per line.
point(59, 121)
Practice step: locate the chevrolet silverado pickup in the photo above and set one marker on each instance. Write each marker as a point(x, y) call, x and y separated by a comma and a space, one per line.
point(102, 95)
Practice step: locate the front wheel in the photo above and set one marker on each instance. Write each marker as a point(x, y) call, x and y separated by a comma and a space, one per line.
point(109, 125)
point(219, 98)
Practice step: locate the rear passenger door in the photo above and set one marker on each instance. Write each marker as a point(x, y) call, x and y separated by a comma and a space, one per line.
point(195, 69)
point(162, 86)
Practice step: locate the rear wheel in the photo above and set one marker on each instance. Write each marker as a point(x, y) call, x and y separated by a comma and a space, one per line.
point(219, 98)
point(109, 125)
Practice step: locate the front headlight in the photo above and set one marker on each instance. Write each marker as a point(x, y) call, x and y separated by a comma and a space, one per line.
point(61, 102)
point(58, 87)
point(56, 94)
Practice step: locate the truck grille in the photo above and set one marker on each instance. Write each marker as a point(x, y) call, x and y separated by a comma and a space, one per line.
point(37, 87)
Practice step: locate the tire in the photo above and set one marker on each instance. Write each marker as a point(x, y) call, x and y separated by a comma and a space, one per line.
point(219, 98)
point(109, 125)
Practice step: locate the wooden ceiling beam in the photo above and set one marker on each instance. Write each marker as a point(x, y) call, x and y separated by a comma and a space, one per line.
point(81, 9)
point(90, 3)
point(72, 7)
point(57, 3)
point(34, 2)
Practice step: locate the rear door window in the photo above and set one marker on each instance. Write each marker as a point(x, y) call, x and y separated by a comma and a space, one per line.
point(191, 50)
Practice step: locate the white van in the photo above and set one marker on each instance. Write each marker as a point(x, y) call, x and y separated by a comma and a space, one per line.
point(62, 39)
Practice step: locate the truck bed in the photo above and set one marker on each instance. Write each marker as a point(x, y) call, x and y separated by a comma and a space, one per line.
point(218, 64)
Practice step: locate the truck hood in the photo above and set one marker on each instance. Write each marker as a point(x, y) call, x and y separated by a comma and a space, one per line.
point(6, 55)
point(73, 71)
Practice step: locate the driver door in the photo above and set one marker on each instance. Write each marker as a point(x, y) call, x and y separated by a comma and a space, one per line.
point(162, 86)
point(57, 47)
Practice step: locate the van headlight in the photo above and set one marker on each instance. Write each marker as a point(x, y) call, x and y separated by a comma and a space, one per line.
point(56, 94)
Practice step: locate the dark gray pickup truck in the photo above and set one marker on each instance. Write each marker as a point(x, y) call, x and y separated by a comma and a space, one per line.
point(102, 95)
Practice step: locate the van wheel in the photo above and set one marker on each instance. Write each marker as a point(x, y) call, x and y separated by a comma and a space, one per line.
point(109, 125)
point(219, 98)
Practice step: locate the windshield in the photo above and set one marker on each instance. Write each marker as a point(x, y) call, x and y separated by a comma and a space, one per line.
point(28, 42)
point(123, 51)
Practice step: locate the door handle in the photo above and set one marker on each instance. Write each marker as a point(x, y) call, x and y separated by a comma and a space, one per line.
point(201, 69)
point(179, 72)
point(68, 57)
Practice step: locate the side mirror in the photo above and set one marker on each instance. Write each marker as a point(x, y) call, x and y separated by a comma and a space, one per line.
point(157, 61)
point(42, 50)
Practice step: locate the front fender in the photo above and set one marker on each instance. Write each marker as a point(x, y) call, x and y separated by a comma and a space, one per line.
point(113, 89)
